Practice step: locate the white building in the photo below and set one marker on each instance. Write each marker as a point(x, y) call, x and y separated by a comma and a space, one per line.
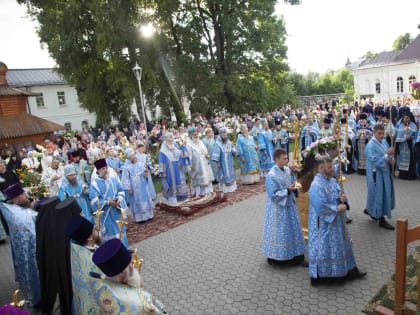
point(389, 74)
point(57, 100)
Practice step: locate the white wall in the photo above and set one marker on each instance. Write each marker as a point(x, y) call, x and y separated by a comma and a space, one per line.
point(388, 78)
point(60, 114)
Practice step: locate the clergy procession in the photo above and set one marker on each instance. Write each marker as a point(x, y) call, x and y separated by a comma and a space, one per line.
point(69, 244)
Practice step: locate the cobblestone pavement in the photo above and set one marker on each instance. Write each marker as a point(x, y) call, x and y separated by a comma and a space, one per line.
point(213, 265)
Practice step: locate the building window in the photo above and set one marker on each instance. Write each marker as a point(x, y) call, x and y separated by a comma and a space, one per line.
point(378, 86)
point(411, 79)
point(400, 85)
point(40, 101)
point(67, 125)
point(85, 124)
point(61, 98)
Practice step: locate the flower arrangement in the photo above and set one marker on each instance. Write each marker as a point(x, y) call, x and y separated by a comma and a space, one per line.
point(321, 146)
point(415, 90)
point(31, 182)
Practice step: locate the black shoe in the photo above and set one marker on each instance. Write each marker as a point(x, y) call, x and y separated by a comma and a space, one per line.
point(367, 213)
point(271, 261)
point(355, 274)
point(349, 220)
point(385, 225)
point(303, 263)
point(314, 281)
point(3, 241)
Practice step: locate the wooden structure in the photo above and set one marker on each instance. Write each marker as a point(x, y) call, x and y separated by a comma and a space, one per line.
point(303, 205)
point(405, 236)
point(17, 127)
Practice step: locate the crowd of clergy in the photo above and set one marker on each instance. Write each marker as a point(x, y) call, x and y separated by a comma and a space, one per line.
point(99, 177)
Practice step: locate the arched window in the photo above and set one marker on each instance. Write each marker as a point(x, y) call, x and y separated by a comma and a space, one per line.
point(378, 86)
point(400, 85)
point(411, 79)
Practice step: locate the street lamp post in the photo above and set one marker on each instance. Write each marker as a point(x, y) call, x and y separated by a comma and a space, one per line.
point(137, 72)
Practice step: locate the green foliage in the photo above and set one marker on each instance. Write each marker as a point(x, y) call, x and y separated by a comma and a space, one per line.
point(402, 41)
point(330, 82)
point(369, 55)
point(213, 54)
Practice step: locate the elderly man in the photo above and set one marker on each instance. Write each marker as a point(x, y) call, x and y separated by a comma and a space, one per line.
point(223, 154)
point(248, 157)
point(201, 173)
point(52, 176)
point(72, 186)
point(121, 290)
point(174, 188)
point(135, 180)
point(21, 221)
point(209, 142)
point(107, 196)
point(30, 161)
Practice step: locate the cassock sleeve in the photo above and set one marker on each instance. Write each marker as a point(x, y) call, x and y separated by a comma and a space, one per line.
point(277, 194)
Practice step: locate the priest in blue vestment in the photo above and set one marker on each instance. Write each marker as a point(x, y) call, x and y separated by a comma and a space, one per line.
point(107, 195)
point(81, 168)
point(281, 136)
point(331, 255)
point(283, 237)
point(404, 146)
point(223, 154)
point(134, 180)
point(380, 185)
point(21, 221)
point(72, 186)
point(266, 148)
point(145, 160)
point(248, 157)
point(174, 188)
point(309, 134)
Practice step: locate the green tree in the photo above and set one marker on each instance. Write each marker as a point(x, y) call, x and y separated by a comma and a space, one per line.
point(369, 55)
point(401, 41)
point(214, 54)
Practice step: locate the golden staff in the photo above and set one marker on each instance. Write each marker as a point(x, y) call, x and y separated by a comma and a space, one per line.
point(137, 261)
point(121, 223)
point(341, 179)
point(98, 214)
point(15, 302)
point(296, 160)
point(392, 138)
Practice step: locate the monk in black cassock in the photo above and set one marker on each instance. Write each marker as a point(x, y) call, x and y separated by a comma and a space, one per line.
point(53, 253)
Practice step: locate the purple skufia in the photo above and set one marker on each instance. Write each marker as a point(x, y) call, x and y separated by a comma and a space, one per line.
point(12, 310)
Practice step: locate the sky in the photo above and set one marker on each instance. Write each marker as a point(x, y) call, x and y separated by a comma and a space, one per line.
point(322, 34)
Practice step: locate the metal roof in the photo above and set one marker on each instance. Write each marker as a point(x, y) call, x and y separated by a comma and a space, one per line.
point(410, 54)
point(34, 77)
point(383, 58)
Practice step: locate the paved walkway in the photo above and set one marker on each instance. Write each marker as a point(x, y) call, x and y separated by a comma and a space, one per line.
point(213, 265)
